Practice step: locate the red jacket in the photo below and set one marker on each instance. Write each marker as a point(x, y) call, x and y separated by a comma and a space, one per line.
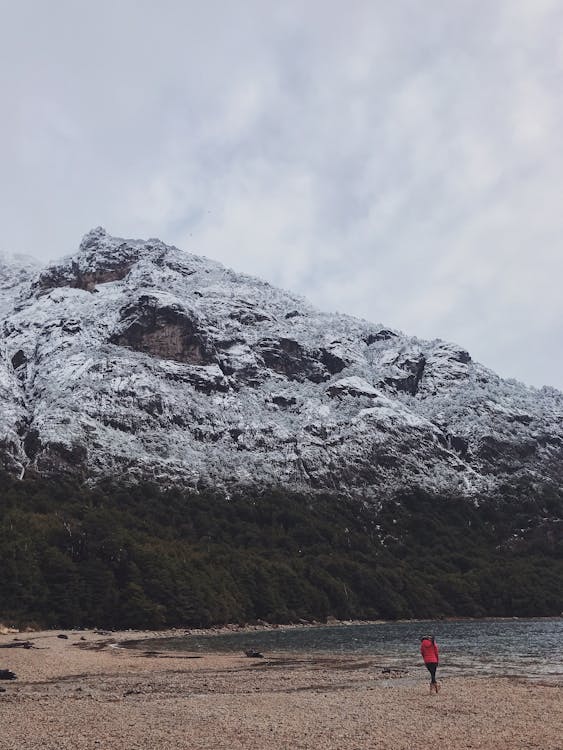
point(429, 651)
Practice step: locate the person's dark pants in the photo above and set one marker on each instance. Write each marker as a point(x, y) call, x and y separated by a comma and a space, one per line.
point(431, 667)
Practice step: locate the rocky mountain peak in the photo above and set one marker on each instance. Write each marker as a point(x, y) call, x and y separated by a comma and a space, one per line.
point(134, 359)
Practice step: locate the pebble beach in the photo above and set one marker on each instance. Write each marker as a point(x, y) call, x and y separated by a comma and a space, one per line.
point(79, 690)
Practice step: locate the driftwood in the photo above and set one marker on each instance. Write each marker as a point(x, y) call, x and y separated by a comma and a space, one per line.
point(17, 644)
point(7, 674)
point(254, 654)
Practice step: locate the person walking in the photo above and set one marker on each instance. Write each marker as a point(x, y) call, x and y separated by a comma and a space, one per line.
point(429, 651)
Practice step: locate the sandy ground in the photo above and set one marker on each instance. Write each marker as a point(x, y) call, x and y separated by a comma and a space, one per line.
point(82, 693)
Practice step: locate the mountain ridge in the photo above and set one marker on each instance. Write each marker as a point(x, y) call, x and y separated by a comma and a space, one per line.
point(134, 360)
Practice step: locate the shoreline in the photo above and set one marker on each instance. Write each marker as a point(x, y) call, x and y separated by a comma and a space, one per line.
point(264, 625)
point(76, 691)
point(245, 640)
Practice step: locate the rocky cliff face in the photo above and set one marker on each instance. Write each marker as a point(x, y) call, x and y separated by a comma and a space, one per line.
point(136, 360)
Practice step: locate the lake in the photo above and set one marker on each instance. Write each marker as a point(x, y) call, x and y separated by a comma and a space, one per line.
point(531, 647)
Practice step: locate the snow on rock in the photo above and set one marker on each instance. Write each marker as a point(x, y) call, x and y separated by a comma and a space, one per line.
point(135, 360)
point(353, 386)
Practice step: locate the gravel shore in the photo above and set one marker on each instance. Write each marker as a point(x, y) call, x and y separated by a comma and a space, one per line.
point(83, 693)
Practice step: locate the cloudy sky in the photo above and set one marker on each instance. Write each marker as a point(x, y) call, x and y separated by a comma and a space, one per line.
point(400, 161)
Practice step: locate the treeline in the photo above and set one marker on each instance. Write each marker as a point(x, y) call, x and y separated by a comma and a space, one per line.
point(138, 557)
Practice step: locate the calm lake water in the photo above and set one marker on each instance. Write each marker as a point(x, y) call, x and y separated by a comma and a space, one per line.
point(531, 648)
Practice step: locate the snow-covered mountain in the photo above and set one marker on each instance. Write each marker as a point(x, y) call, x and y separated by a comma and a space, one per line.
point(132, 360)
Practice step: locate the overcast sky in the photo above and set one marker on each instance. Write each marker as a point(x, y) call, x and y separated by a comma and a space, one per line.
point(400, 161)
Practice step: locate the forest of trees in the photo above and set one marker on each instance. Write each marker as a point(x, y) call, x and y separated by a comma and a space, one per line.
point(138, 557)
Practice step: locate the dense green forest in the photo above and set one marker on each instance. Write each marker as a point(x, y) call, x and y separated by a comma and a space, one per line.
point(133, 557)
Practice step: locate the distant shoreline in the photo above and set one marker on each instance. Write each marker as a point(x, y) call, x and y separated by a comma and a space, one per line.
point(264, 626)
